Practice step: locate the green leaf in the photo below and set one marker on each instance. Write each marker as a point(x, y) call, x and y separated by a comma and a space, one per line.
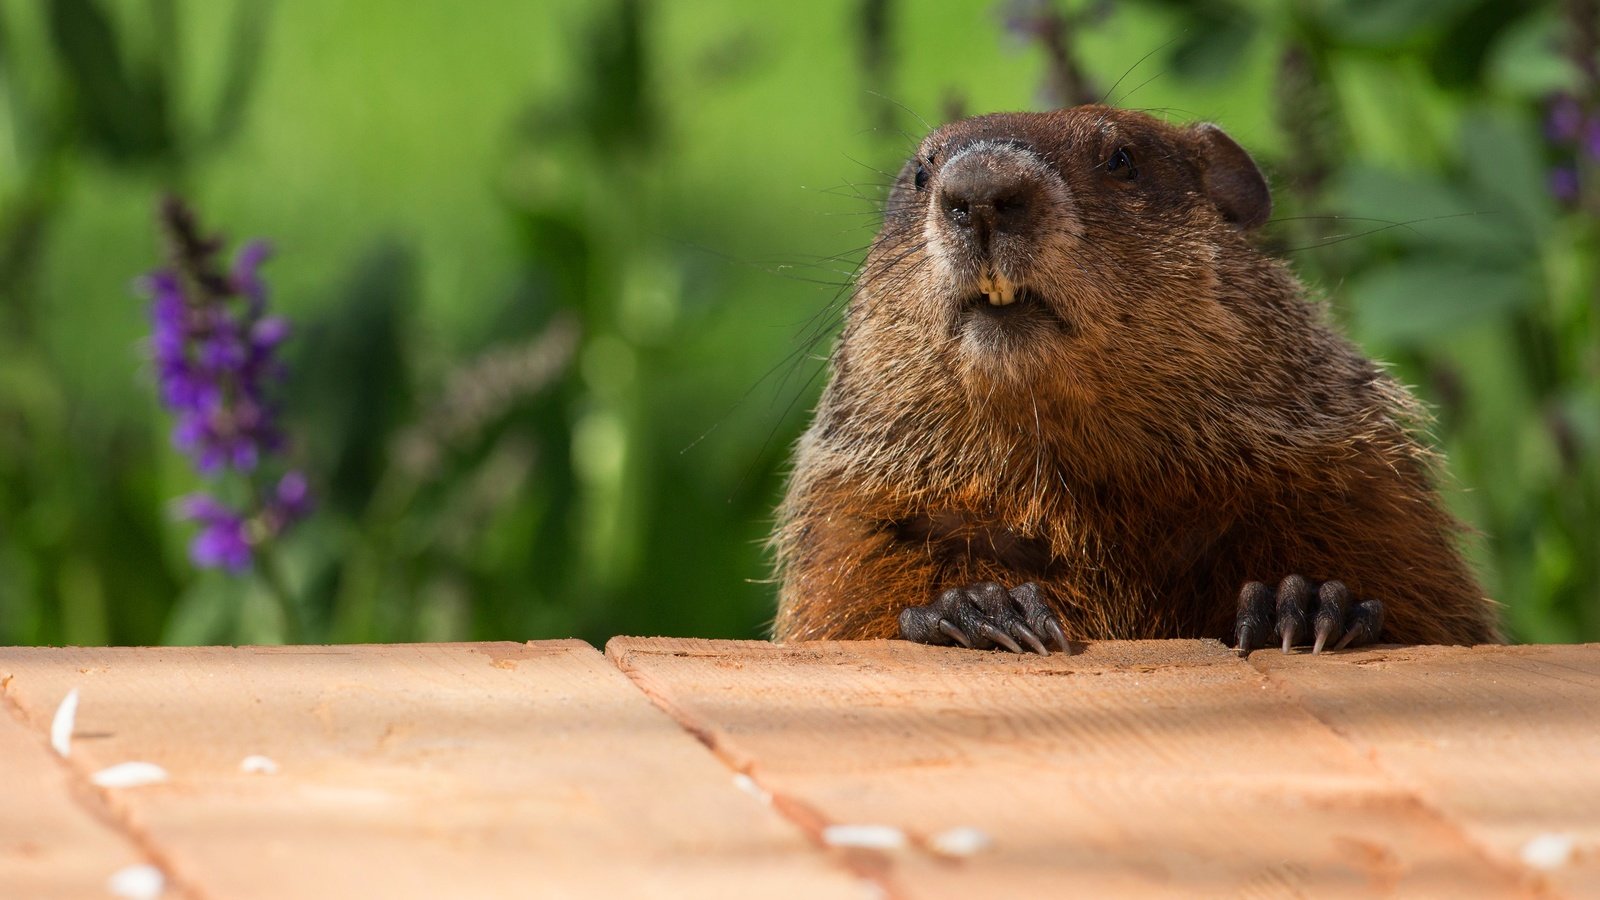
point(206, 611)
point(1213, 46)
point(247, 38)
point(1422, 298)
point(125, 116)
point(1393, 111)
point(1388, 23)
point(1505, 162)
point(1527, 60)
point(349, 378)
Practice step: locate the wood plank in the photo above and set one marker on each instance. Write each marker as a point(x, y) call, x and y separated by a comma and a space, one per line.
point(417, 771)
point(1135, 769)
point(53, 842)
point(1504, 741)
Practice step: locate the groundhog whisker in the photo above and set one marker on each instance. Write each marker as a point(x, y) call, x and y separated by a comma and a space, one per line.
point(1341, 238)
point(1136, 64)
point(912, 139)
point(1141, 85)
point(892, 176)
point(1334, 217)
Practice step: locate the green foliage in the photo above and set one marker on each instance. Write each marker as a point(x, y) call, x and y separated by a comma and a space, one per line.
point(561, 274)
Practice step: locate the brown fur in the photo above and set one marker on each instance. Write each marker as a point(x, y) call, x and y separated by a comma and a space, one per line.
point(1184, 420)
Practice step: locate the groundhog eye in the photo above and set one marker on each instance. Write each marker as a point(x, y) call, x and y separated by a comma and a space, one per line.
point(922, 176)
point(1121, 164)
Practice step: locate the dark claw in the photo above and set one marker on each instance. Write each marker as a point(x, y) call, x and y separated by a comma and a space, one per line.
point(1332, 602)
point(1299, 610)
point(1324, 630)
point(999, 637)
point(1255, 617)
point(989, 614)
point(932, 624)
point(1027, 636)
point(957, 634)
point(1000, 614)
point(984, 616)
point(1040, 619)
point(1293, 595)
point(1366, 623)
point(1057, 636)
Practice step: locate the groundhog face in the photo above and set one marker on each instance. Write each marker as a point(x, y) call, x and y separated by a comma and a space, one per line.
point(1030, 240)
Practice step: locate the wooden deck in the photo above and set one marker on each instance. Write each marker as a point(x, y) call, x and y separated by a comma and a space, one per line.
point(687, 768)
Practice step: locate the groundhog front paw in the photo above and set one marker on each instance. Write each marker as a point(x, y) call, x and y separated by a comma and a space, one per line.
point(985, 616)
point(1296, 614)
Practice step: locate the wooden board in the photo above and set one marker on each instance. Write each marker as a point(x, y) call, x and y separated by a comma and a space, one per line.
point(1503, 741)
point(1141, 768)
point(743, 769)
point(418, 771)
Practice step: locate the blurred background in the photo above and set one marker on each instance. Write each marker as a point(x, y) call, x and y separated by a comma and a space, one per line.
point(560, 276)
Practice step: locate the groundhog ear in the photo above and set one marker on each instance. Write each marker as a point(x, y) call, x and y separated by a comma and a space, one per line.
point(1231, 178)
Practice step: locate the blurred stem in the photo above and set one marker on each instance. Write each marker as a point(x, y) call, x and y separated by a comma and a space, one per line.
point(247, 43)
point(1066, 83)
point(26, 222)
point(875, 18)
point(361, 577)
point(166, 54)
point(271, 573)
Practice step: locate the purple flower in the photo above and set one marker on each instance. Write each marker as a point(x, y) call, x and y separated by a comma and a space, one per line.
point(290, 502)
point(223, 541)
point(1025, 20)
point(1563, 118)
point(215, 353)
point(1589, 138)
point(225, 537)
point(1564, 184)
point(245, 278)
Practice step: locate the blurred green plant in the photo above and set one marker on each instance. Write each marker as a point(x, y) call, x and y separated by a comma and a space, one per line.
point(525, 430)
point(77, 536)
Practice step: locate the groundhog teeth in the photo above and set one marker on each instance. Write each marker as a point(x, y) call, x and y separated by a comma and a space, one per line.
point(997, 289)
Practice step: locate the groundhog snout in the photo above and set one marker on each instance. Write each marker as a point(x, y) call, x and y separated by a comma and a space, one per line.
point(990, 193)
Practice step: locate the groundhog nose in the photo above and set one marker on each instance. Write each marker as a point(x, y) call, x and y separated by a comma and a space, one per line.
point(983, 195)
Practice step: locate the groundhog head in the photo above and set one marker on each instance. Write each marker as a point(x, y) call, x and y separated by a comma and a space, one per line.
point(1033, 246)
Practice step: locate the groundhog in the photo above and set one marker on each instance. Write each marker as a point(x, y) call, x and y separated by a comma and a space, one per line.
point(1073, 401)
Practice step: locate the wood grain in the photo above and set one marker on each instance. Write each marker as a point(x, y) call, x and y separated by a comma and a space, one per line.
point(1504, 741)
point(410, 771)
point(1140, 768)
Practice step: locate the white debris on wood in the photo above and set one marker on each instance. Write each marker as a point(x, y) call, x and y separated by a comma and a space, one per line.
point(258, 765)
point(141, 882)
point(747, 784)
point(870, 837)
point(61, 726)
point(963, 841)
point(872, 890)
point(129, 774)
point(1548, 851)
